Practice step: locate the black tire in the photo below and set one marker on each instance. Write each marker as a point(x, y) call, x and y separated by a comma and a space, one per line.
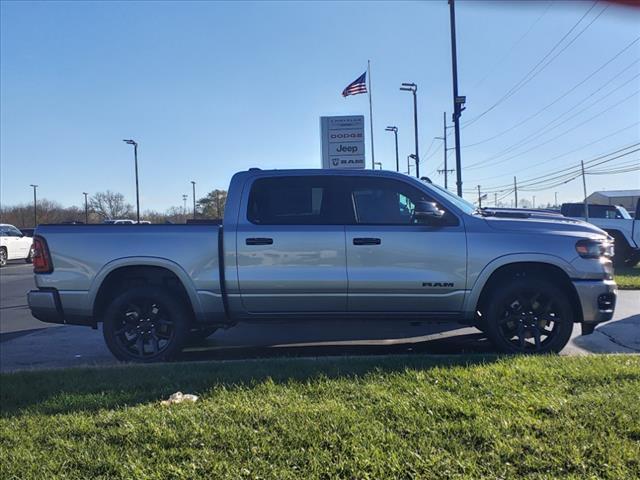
point(146, 324)
point(623, 254)
point(529, 315)
point(3, 257)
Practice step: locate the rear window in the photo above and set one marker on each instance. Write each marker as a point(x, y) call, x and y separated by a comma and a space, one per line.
point(295, 201)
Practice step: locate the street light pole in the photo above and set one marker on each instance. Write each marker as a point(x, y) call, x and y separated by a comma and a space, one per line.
point(413, 88)
point(458, 101)
point(395, 134)
point(86, 208)
point(194, 198)
point(184, 204)
point(135, 156)
point(35, 203)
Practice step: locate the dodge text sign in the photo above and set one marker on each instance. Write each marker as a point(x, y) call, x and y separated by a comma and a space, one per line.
point(342, 140)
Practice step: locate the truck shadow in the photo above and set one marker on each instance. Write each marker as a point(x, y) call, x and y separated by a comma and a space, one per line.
point(92, 389)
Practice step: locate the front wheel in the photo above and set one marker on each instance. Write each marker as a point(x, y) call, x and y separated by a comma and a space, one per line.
point(3, 257)
point(530, 315)
point(145, 324)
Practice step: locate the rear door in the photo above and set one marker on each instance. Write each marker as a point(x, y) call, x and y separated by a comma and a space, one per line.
point(291, 253)
point(395, 264)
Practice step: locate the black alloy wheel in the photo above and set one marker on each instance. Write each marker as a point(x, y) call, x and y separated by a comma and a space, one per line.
point(530, 315)
point(145, 324)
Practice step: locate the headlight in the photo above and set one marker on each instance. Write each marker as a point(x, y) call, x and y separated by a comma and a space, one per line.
point(594, 249)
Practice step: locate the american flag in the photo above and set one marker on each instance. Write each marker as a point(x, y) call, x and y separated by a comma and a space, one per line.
point(359, 85)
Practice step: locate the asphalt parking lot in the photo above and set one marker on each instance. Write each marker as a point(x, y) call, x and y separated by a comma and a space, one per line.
point(26, 343)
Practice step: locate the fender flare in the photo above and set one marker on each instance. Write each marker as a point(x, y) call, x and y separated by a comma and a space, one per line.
point(473, 295)
point(139, 261)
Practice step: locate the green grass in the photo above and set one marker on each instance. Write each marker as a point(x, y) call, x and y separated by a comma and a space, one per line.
point(353, 418)
point(628, 278)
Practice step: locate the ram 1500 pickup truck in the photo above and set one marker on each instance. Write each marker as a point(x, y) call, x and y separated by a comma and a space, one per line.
point(316, 244)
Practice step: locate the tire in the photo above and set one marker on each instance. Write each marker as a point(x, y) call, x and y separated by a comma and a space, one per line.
point(623, 253)
point(3, 257)
point(146, 324)
point(29, 258)
point(530, 315)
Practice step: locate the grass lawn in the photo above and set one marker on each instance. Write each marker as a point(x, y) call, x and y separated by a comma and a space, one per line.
point(628, 278)
point(353, 418)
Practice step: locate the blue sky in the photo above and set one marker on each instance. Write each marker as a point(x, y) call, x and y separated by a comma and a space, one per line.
point(210, 88)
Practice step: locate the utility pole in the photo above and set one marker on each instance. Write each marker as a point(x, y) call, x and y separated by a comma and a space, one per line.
point(584, 188)
point(458, 101)
point(495, 199)
point(515, 189)
point(534, 201)
point(446, 171)
point(413, 88)
point(556, 194)
point(86, 208)
point(194, 198)
point(395, 134)
point(479, 198)
point(135, 156)
point(35, 203)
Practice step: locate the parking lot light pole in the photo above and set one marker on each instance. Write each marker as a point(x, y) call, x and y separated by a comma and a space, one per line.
point(35, 203)
point(395, 134)
point(409, 158)
point(193, 184)
point(86, 208)
point(413, 88)
point(135, 156)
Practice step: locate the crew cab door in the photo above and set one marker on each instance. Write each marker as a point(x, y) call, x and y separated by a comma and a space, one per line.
point(291, 246)
point(394, 263)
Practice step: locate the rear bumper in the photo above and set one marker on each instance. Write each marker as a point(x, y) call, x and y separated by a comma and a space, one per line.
point(597, 298)
point(46, 306)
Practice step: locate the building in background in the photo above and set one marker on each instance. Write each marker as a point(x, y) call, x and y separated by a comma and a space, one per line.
point(626, 198)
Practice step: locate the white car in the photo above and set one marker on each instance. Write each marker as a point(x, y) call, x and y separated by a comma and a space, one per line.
point(13, 245)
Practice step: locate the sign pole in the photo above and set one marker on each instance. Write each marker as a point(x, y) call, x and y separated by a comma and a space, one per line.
point(373, 157)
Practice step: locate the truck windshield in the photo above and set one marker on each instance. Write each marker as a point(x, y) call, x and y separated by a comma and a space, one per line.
point(461, 203)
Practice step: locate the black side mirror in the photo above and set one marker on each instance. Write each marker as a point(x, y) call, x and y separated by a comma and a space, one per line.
point(427, 212)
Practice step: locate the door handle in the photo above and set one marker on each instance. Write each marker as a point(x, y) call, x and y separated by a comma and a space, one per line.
point(259, 241)
point(367, 241)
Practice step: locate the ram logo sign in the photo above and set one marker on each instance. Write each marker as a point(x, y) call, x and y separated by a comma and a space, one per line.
point(342, 141)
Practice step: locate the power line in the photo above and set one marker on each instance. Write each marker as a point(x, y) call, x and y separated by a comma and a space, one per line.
point(513, 46)
point(564, 172)
point(531, 74)
point(480, 164)
point(554, 123)
point(537, 164)
point(557, 99)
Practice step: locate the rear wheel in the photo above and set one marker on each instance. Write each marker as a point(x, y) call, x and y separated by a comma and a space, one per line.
point(146, 324)
point(530, 315)
point(3, 257)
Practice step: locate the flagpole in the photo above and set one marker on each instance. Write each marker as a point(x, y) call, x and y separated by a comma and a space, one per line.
point(373, 158)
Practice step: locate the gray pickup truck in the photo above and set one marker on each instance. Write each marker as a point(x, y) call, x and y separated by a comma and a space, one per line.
point(315, 244)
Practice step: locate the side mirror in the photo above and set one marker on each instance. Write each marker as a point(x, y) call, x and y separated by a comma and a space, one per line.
point(427, 212)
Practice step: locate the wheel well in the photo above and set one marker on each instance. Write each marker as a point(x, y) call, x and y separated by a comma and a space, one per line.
point(618, 236)
point(511, 271)
point(124, 278)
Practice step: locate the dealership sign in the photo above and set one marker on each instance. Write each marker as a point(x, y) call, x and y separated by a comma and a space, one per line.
point(342, 140)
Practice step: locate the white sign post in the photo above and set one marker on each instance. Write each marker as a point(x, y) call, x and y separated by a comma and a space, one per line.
point(342, 140)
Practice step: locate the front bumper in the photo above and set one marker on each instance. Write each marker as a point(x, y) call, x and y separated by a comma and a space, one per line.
point(46, 306)
point(597, 298)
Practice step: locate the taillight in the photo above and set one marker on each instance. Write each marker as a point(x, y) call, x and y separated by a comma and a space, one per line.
point(41, 258)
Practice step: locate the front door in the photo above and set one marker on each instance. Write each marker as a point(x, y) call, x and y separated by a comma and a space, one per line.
point(291, 247)
point(395, 263)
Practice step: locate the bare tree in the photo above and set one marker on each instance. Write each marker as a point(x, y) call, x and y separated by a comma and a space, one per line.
point(110, 205)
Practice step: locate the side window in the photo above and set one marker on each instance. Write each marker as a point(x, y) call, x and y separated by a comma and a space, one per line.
point(4, 231)
point(296, 201)
point(379, 201)
point(14, 232)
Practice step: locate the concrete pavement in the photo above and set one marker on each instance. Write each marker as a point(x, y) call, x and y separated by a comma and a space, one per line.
point(37, 345)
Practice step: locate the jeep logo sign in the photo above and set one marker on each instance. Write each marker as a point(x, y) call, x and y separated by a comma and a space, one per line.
point(342, 141)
